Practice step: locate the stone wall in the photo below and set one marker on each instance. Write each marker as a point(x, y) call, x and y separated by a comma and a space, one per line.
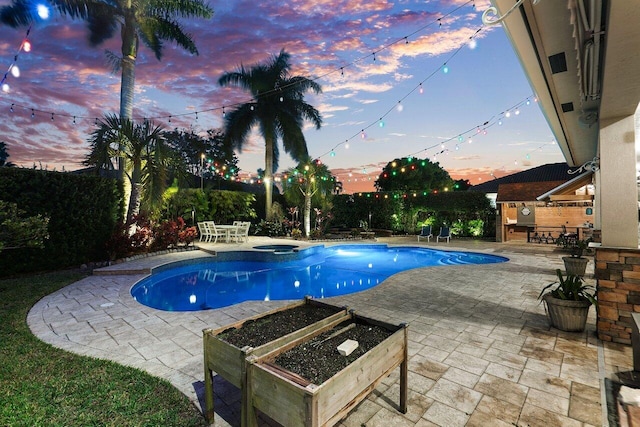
point(618, 280)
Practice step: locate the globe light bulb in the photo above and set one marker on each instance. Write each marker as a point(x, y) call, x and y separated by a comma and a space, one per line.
point(26, 46)
point(15, 71)
point(5, 87)
point(43, 11)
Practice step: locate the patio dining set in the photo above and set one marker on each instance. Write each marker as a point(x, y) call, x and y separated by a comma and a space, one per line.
point(210, 232)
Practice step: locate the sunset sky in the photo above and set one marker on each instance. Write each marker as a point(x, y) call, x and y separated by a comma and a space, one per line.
point(445, 87)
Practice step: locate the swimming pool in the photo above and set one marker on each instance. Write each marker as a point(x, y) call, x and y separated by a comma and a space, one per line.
point(319, 271)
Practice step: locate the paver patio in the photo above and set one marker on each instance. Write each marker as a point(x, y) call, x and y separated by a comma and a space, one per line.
point(480, 347)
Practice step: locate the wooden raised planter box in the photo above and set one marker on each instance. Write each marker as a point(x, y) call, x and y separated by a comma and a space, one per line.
point(230, 361)
point(291, 401)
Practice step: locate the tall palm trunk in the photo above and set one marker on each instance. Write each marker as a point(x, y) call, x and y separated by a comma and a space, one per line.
point(127, 85)
point(268, 176)
point(136, 189)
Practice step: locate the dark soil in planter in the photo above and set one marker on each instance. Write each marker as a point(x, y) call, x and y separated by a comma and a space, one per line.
point(318, 360)
point(260, 331)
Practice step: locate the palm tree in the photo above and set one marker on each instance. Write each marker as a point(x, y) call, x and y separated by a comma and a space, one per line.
point(146, 151)
point(149, 21)
point(277, 108)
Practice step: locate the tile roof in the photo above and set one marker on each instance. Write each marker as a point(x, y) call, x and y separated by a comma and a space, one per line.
point(524, 191)
point(557, 172)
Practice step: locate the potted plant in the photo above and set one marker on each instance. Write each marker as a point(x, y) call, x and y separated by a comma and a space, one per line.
point(575, 264)
point(567, 304)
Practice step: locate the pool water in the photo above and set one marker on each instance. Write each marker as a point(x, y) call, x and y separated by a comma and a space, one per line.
point(318, 272)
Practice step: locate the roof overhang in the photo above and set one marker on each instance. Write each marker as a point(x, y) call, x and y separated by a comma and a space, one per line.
point(582, 60)
point(567, 190)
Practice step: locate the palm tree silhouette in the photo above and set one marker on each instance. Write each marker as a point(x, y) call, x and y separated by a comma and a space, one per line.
point(277, 108)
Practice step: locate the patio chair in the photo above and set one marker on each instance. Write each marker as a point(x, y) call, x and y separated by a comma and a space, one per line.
point(240, 234)
point(425, 233)
point(214, 233)
point(445, 233)
point(204, 231)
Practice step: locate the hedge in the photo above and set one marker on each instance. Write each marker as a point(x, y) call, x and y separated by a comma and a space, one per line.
point(82, 212)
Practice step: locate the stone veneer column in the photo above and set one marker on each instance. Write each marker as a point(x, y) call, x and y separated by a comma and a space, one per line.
point(618, 276)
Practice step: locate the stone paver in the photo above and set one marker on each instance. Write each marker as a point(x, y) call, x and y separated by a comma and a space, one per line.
point(481, 351)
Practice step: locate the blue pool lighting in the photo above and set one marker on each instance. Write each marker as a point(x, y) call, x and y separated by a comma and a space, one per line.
point(319, 272)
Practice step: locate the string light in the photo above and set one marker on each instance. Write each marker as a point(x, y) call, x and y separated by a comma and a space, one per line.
point(26, 46)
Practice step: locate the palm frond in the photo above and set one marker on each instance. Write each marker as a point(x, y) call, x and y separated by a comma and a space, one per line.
point(18, 14)
point(148, 33)
point(238, 124)
point(113, 61)
point(183, 8)
point(102, 23)
point(173, 31)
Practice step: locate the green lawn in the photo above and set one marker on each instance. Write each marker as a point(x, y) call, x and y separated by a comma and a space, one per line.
point(44, 386)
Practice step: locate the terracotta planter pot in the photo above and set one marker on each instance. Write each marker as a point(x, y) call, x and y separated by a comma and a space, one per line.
point(567, 315)
point(575, 266)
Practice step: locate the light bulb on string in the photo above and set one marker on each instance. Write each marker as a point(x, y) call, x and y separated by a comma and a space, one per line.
point(11, 108)
point(381, 123)
point(224, 113)
point(196, 116)
point(528, 102)
point(33, 113)
point(460, 138)
point(473, 44)
point(528, 156)
point(457, 147)
point(507, 114)
point(26, 45)
point(500, 122)
point(43, 11)
point(5, 87)
point(445, 69)
point(421, 90)
point(400, 107)
point(484, 132)
point(15, 71)
point(346, 146)
point(517, 112)
point(362, 134)
point(470, 140)
point(74, 120)
point(332, 154)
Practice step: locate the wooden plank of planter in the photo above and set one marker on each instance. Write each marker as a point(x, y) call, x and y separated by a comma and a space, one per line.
point(290, 402)
point(229, 361)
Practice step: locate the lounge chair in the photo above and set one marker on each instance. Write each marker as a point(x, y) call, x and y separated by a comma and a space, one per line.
point(425, 233)
point(445, 233)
